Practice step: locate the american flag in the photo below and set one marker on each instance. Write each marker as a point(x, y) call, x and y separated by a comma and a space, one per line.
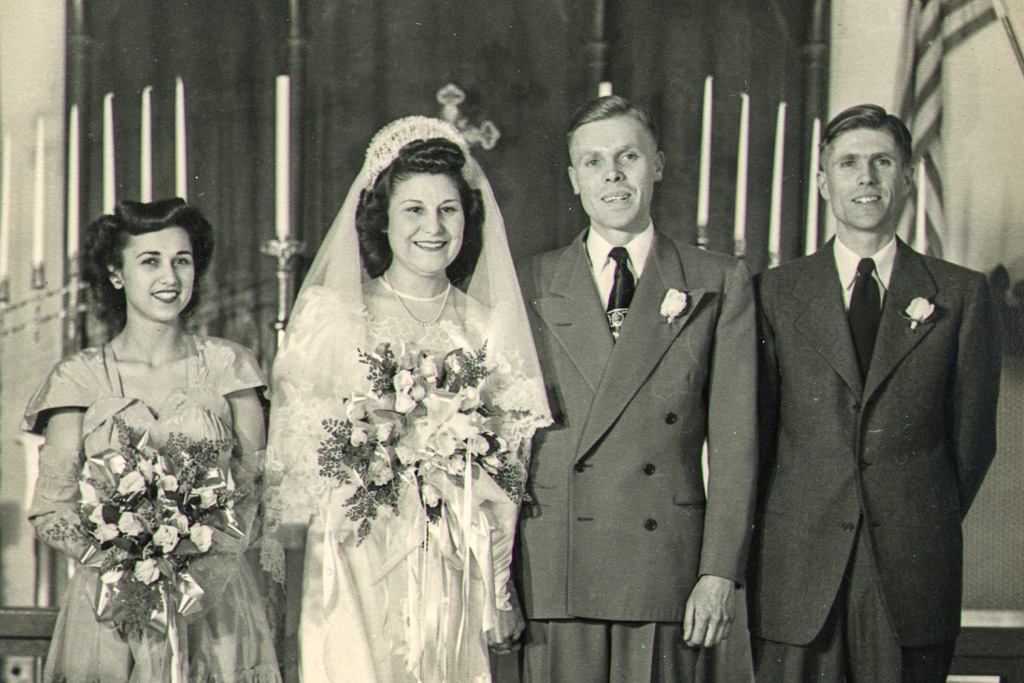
point(935, 28)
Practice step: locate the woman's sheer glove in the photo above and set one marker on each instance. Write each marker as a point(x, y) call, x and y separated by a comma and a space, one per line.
point(504, 637)
point(54, 511)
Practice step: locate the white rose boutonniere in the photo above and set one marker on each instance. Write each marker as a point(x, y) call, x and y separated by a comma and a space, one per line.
point(919, 310)
point(673, 304)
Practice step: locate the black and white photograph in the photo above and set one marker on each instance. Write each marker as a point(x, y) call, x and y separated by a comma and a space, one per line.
point(540, 341)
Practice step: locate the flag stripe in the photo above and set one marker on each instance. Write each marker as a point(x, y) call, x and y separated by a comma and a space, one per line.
point(934, 29)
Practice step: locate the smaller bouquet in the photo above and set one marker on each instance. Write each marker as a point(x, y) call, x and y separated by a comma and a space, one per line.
point(148, 514)
point(424, 413)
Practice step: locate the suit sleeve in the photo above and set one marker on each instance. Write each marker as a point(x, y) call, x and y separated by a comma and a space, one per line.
point(732, 432)
point(975, 392)
point(767, 388)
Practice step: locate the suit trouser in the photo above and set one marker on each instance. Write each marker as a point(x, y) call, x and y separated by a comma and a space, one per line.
point(596, 651)
point(857, 643)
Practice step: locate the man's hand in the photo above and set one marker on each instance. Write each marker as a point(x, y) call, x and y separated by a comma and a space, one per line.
point(709, 612)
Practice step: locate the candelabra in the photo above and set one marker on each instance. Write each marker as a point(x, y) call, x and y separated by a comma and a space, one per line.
point(284, 250)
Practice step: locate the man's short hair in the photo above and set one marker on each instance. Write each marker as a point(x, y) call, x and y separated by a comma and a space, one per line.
point(868, 116)
point(610, 106)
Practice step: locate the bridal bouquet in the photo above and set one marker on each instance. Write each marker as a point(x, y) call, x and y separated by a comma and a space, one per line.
point(425, 412)
point(148, 514)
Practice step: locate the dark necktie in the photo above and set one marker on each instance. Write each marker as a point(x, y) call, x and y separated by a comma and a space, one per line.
point(865, 313)
point(622, 290)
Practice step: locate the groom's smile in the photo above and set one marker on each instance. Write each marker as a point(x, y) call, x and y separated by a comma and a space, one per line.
point(615, 163)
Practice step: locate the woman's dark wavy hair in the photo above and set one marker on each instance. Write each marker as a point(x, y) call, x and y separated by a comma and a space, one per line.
point(436, 156)
point(104, 240)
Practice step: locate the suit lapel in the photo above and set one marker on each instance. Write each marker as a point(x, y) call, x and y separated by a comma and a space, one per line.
point(575, 316)
point(644, 339)
point(822, 319)
point(910, 280)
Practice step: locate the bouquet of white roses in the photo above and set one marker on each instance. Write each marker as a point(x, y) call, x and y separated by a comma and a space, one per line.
point(424, 413)
point(148, 514)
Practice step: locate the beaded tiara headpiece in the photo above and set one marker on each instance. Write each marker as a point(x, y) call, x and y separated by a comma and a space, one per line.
point(390, 139)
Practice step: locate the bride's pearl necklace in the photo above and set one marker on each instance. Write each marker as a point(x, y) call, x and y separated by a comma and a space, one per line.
point(401, 297)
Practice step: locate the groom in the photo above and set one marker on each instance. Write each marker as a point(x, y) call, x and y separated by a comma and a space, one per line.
point(647, 348)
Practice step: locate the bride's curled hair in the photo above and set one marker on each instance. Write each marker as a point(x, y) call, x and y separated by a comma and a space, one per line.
point(436, 156)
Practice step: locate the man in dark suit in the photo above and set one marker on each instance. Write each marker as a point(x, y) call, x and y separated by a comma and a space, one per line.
point(647, 347)
point(880, 376)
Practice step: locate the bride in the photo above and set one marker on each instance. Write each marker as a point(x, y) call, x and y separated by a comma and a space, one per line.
point(405, 396)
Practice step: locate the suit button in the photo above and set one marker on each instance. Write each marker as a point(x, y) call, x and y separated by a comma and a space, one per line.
point(650, 525)
point(580, 466)
point(671, 418)
point(848, 526)
point(649, 469)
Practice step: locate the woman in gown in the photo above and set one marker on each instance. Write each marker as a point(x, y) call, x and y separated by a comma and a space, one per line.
point(142, 265)
point(417, 258)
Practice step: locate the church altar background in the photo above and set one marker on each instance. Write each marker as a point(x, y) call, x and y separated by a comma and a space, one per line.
point(524, 66)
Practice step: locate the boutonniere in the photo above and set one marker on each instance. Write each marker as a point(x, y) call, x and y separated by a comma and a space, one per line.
point(919, 310)
point(673, 304)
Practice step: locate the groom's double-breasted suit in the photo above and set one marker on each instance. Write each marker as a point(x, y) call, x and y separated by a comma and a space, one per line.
point(619, 527)
point(897, 456)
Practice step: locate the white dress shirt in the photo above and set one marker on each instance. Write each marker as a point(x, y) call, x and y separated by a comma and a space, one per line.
point(602, 266)
point(846, 265)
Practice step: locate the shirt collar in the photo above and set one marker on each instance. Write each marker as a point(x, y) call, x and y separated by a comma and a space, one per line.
point(638, 248)
point(847, 260)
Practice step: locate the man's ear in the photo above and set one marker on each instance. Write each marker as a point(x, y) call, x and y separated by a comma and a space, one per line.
point(572, 180)
point(659, 165)
point(908, 177)
point(823, 185)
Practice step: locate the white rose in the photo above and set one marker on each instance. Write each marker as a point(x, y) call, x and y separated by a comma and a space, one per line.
point(417, 392)
point(106, 532)
point(406, 455)
point(169, 483)
point(384, 431)
point(355, 410)
point(403, 381)
point(129, 524)
point(207, 498)
point(477, 444)
point(431, 496)
point(146, 571)
point(117, 463)
point(166, 537)
point(178, 521)
point(919, 310)
point(470, 398)
point(358, 437)
point(202, 536)
point(380, 472)
point(404, 403)
point(133, 482)
point(673, 304)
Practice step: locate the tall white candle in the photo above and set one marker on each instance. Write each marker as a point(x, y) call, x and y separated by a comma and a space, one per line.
point(282, 204)
point(604, 88)
point(811, 241)
point(704, 185)
point(775, 218)
point(739, 231)
point(74, 187)
point(108, 154)
point(146, 143)
point(180, 160)
point(921, 212)
point(5, 211)
point(38, 205)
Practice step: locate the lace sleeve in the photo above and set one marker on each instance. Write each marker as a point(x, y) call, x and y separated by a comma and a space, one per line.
point(54, 511)
point(315, 371)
